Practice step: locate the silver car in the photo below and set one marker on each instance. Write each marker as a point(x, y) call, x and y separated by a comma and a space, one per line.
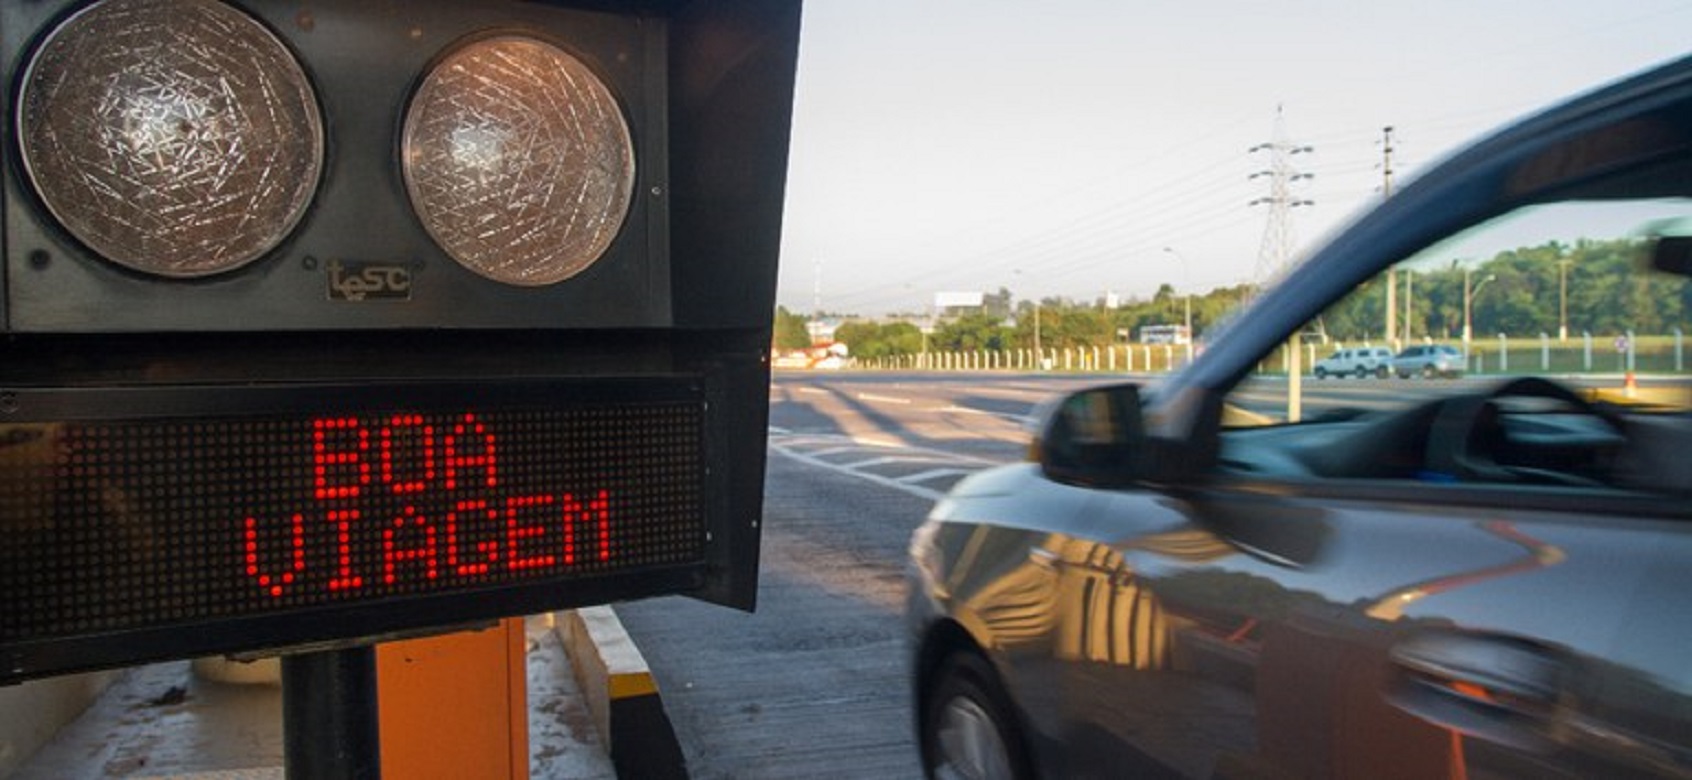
point(1428, 361)
point(1357, 361)
point(1237, 574)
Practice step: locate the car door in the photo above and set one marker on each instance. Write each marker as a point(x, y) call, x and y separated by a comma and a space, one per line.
point(1482, 577)
point(1346, 636)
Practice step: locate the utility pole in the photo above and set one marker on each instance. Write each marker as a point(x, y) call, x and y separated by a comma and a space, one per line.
point(813, 327)
point(1563, 298)
point(1275, 253)
point(1182, 260)
point(1391, 328)
point(1409, 305)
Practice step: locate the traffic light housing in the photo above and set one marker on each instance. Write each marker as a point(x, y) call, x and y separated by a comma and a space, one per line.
point(325, 324)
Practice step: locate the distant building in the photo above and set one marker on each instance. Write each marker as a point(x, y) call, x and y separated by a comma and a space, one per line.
point(827, 356)
point(1164, 334)
point(957, 304)
point(821, 331)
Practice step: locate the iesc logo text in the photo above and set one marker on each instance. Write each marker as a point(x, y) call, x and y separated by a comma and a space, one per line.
point(369, 281)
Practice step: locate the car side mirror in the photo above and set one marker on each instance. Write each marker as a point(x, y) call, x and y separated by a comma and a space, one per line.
point(1094, 438)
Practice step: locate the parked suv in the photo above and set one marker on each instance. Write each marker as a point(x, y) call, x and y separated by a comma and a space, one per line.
point(1428, 361)
point(1361, 361)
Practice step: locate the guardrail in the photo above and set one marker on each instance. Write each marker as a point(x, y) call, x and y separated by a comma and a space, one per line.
point(1498, 354)
point(1142, 358)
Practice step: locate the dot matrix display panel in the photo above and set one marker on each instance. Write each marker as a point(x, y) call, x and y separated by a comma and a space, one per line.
point(121, 515)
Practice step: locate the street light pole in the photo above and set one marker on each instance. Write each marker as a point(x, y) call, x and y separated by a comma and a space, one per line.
point(1563, 299)
point(1466, 331)
point(1468, 298)
point(1039, 353)
point(1409, 306)
point(1189, 326)
point(1180, 258)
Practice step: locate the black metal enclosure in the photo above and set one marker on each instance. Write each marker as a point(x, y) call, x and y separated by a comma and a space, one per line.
point(354, 433)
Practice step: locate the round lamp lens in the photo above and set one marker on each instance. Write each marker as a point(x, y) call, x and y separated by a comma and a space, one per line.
point(518, 161)
point(175, 137)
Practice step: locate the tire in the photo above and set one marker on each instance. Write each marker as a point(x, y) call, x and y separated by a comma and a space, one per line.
point(1362, 371)
point(1381, 372)
point(1429, 372)
point(1321, 373)
point(968, 731)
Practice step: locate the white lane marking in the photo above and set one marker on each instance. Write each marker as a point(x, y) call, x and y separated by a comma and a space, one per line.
point(871, 441)
point(882, 398)
point(786, 446)
point(955, 409)
point(835, 444)
point(920, 492)
point(862, 464)
point(832, 451)
point(934, 474)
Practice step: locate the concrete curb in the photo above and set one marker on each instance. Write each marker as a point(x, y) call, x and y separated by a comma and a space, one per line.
point(263, 671)
point(621, 693)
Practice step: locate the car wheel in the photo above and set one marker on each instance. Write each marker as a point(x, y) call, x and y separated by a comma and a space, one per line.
point(1381, 372)
point(967, 729)
point(1428, 372)
point(1321, 373)
point(1362, 371)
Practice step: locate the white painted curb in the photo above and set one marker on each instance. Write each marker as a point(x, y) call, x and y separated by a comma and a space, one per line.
point(621, 693)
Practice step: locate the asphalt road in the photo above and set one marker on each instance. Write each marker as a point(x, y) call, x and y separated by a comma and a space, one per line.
point(814, 684)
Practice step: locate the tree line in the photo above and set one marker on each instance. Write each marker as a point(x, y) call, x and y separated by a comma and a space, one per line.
point(1602, 285)
point(1598, 287)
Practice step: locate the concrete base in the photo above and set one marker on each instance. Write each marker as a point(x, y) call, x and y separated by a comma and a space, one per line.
point(43, 707)
point(264, 671)
point(621, 693)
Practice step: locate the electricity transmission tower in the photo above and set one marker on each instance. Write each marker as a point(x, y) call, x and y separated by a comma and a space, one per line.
point(1275, 253)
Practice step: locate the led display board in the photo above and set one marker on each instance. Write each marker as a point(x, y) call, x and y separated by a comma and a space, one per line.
point(326, 324)
point(124, 512)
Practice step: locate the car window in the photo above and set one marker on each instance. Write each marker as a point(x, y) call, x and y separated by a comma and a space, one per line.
point(1540, 347)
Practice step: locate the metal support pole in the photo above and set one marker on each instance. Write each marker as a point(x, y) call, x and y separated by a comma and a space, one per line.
point(329, 715)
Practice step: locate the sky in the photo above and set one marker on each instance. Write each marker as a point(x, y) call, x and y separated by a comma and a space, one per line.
point(1076, 148)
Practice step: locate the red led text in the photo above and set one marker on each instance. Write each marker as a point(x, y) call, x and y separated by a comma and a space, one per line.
point(412, 501)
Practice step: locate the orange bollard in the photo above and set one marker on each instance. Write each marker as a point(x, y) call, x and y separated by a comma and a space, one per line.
point(455, 705)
